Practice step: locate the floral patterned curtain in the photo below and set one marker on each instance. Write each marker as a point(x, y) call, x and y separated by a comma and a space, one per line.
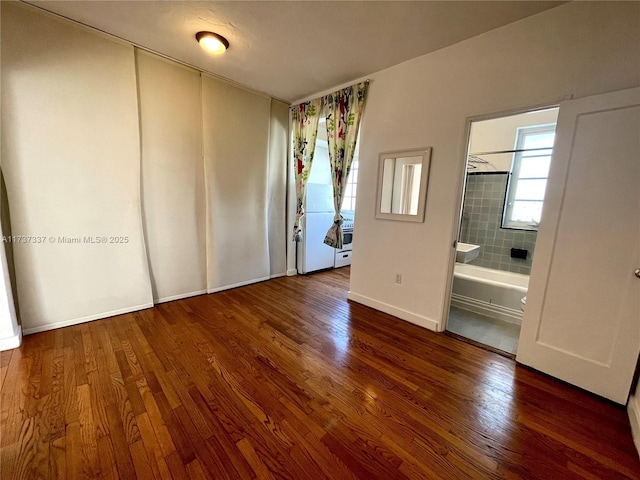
point(344, 110)
point(305, 117)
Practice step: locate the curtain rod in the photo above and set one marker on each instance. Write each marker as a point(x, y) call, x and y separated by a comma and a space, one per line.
point(292, 105)
point(511, 151)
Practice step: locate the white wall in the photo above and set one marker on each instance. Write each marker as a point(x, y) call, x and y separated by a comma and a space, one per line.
point(577, 49)
point(10, 331)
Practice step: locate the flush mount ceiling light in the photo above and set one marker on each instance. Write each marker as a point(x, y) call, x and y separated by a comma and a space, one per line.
point(212, 42)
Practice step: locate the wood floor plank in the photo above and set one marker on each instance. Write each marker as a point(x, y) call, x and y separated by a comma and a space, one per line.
point(79, 356)
point(11, 398)
point(70, 385)
point(125, 410)
point(57, 459)
point(141, 463)
point(176, 467)
point(209, 457)
point(98, 404)
point(256, 463)
point(165, 441)
point(88, 432)
point(152, 447)
point(287, 379)
point(196, 471)
point(73, 453)
point(108, 467)
point(89, 351)
point(221, 439)
point(3, 375)
point(120, 444)
point(176, 428)
point(196, 416)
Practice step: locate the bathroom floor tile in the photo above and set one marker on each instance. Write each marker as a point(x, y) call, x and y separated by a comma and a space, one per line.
point(489, 331)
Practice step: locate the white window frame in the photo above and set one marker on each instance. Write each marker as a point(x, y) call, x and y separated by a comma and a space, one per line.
point(514, 176)
point(349, 201)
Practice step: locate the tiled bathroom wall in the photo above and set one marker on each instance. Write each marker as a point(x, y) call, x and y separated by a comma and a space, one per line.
point(481, 219)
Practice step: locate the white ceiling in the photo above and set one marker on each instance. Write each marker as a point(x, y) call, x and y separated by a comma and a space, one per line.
point(292, 49)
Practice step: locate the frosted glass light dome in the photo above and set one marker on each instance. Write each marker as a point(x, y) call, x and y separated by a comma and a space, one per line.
point(212, 42)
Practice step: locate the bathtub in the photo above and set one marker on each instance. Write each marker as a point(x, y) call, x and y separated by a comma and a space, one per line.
point(489, 292)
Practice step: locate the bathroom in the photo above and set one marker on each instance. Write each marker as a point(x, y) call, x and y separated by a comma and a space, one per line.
point(507, 167)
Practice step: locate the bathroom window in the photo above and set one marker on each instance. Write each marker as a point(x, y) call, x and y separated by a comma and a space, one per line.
point(528, 177)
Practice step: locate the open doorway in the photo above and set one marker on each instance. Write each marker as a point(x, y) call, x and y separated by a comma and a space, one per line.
point(507, 168)
point(312, 253)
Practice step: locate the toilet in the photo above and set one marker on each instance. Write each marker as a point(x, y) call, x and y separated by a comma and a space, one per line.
point(523, 303)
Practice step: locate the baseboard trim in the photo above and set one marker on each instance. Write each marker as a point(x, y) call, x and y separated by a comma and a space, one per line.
point(236, 285)
point(180, 296)
point(402, 314)
point(203, 292)
point(633, 409)
point(89, 318)
point(291, 272)
point(14, 341)
point(499, 312)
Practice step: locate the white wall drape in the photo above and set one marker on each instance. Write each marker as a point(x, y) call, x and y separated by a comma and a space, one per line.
point(236, 137)
point(277, 187)
point(80, 139)
point(173, 197)
point(70, 153)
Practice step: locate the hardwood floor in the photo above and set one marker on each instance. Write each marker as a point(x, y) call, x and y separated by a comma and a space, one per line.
point(286, 379)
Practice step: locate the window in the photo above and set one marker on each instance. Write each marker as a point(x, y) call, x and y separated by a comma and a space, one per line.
point(349, 199)
point(528, 178)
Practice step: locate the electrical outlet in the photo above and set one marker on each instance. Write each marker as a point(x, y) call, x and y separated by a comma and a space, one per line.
point(398, 278)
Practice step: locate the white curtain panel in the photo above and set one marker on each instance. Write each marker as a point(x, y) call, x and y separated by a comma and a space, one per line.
point(173, 197)
point(71, 159)
point(277, 188)
point(236, 157)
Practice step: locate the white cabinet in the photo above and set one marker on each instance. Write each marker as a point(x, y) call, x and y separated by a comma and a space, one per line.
point(342, 259)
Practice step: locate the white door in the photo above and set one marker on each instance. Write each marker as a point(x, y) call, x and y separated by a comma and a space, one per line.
point(582, 319)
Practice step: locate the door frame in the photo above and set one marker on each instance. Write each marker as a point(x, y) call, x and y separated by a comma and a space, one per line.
point(462, 184)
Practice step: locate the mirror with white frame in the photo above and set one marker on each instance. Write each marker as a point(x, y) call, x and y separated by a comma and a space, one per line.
point(402, 185)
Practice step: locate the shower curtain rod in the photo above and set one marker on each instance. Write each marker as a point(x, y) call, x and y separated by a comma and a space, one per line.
point(512, 151)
